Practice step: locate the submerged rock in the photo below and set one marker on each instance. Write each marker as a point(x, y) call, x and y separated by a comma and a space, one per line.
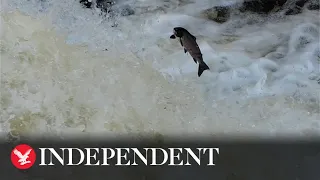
point(261, 6)
point(105, 5)
point(314, 5)
point(222, 13)
point(295, 7)
point(127, 11)
point(109, 6)
point(219, 14)
point(123, 10)
point(86, 3)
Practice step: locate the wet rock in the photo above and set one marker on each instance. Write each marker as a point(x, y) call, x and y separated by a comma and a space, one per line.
point(301, 3)
point(123, 10)
point(86, 3)
point(105, 5)
point(127, 11)
point(295, 7)
point(218, 14)
point(261, 6)
point(293, 11)
point(314, 5)
point(222, 13)
point(109, 6)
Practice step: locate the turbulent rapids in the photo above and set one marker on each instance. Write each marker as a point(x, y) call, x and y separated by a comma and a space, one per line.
point(53, 82)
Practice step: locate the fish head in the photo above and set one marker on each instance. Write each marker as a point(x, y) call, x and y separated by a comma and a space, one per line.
point(178, 31)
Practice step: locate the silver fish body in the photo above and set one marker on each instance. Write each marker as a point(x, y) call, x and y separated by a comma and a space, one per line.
point(190, 45)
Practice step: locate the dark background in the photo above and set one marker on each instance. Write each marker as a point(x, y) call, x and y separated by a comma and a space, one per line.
point(238, 160)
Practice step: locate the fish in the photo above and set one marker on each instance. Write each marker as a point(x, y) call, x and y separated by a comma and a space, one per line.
point(190, 45)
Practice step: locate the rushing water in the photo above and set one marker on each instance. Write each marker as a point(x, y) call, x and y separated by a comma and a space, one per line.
point(58, 79)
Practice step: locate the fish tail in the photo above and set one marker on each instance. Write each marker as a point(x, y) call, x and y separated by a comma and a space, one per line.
point(202, 67)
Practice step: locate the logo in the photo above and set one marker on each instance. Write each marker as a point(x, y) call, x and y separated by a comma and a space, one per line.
point(23, 156)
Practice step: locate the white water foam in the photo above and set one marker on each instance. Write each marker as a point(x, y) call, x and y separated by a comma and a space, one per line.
point(56, 78)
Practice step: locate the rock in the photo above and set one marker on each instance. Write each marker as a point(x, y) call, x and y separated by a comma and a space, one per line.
point(86, 3)
point(222, 13)
point(314, 5)
point(295, 8)
point(123, 10)
point(110, 7)
point(301, 3)
point(293, 11)
point(105, 5)
point(126, 10)
point(261, 6)
point(218, 14)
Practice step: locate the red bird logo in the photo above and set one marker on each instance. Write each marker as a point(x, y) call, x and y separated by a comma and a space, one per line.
point(22, 158)
point(23, 161)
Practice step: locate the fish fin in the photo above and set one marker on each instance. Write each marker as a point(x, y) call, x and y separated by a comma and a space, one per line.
point(185, 51)
point(195, 60)
point(172, 36)
point(181, 42)
point(202, 67)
